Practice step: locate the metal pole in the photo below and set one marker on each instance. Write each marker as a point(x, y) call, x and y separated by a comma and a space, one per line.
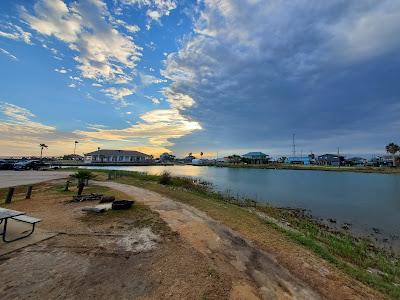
point(294, 146)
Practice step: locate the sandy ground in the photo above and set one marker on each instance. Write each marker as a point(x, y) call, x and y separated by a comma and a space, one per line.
point(255, 274)
point(120, 255)
point(161, 250)
point(15, 178)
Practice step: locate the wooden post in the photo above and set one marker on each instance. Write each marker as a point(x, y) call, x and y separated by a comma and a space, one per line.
point(66, 188)
point(10, 194)
point(29, 192)
point(109, 175)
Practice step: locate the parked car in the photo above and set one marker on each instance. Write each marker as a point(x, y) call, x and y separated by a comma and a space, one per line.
point(6, 165)
point(29, 165)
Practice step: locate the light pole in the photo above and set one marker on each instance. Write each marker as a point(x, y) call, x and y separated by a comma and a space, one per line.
point(76, 142)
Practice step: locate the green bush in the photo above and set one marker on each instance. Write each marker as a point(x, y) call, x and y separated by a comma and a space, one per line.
point(165, 178)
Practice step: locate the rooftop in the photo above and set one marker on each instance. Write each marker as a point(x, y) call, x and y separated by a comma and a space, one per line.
point(117, 152)
point(254, 154)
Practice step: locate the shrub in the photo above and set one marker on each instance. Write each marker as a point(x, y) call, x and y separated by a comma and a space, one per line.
point(83, 176)
point(165, 178)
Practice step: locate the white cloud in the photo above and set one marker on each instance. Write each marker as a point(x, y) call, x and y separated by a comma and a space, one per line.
point(96, 84)
point(151, 46)
point(128, 27)
point(56, 54)
point(62, 70)
point(178, 100)
point(150, 79)
point(15, 32)
point(157, 128)
point(364, 35)
point(75, 78)
point(18, 122)
point(20, 134)
point(72, 85)
point(118, 93)
point(104, 53)
point(8, 54)
point(153, 99)
point(156, 8)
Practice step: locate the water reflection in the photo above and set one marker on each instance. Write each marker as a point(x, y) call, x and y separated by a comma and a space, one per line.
point(365, 200)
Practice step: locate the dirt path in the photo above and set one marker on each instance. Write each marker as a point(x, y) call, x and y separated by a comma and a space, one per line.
point(256, 274)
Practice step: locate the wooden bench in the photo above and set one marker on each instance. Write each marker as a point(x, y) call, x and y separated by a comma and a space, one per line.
point(24, 219)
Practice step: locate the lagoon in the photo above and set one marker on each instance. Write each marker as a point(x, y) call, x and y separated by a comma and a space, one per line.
point(364, 200)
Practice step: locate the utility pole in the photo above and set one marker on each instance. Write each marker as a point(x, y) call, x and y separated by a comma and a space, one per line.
point(76, 142)
point(338, 156)
point(293, 147)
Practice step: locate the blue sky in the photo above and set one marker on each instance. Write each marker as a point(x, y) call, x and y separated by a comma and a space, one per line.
point(189, 76)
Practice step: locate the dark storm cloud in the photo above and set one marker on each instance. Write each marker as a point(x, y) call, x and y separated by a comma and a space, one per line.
point(261, 70)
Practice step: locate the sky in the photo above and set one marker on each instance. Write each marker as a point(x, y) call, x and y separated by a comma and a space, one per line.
point(216, 76)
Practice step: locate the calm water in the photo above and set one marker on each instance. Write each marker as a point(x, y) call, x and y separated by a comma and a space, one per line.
point(364, 200)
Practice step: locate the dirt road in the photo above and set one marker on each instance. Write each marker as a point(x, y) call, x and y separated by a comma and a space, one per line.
point(15, 178)
point(256, 274)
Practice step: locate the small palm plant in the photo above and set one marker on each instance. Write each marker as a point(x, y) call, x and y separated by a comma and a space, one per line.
point(393, 148)
point(83, 177)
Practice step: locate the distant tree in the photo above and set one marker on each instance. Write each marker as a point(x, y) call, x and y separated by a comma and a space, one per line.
point(393, 148)
point(235, 159)
point(201, 154)
point(42, 146)
point(190, 154)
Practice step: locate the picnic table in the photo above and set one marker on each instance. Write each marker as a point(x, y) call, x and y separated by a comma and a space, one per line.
point(6, 214)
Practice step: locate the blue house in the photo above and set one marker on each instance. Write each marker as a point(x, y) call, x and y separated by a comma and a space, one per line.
point(298, 160)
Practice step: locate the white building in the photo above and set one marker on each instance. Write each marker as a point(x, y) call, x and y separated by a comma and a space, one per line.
point(116, 156)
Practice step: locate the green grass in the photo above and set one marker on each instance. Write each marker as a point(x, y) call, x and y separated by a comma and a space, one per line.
point(358, 169)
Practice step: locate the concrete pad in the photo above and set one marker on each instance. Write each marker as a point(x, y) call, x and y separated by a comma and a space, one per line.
point(15, 229)
point(15, 178)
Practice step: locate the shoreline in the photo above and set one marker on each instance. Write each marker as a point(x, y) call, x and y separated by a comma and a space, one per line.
point(376, 170)
point(368, 170)
point(358, 257)
point(292, 235)
point(388, 241)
